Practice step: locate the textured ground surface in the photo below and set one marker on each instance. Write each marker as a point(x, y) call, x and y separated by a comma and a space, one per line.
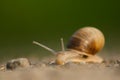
point(41, 70)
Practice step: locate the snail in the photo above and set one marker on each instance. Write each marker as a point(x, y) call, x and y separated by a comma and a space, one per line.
point(82, 47)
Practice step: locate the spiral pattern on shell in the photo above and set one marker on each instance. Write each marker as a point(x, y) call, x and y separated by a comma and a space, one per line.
point(88, 39)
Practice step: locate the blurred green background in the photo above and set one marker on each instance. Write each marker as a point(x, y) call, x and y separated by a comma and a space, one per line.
point(46, 21)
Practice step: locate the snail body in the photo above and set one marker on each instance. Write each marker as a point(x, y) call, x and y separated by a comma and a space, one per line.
point(82, 47)
point(75, 56)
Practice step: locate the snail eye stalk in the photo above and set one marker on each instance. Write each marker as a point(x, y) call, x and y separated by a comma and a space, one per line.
point(62, 44)
point(45, 47)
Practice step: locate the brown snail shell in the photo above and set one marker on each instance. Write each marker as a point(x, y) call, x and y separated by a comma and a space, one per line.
point(89, 40)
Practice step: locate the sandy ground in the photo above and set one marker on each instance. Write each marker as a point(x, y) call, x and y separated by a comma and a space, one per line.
point(41, 70)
